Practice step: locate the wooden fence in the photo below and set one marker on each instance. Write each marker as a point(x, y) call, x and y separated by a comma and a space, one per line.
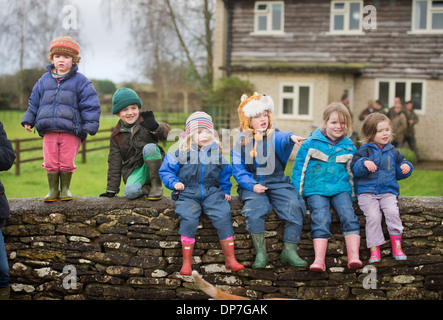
point(21, 148)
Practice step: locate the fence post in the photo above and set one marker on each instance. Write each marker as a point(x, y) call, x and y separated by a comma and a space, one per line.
point(84, 151)
point(17, 157)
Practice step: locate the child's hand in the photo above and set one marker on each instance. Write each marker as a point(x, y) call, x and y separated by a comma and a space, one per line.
point(28, 127)
point(258, 188)
point(179, 186)
point(405, 168)
point(228, 197)
point(298, 140)
point(370, 166)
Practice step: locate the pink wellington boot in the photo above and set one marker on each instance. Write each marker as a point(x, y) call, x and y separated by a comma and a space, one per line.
point(320, 246)
point(375, 255)
point(188, 249)
point(397, 252)
point(353, 246)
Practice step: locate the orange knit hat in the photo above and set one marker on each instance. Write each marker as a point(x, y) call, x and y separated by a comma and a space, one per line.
point(250, 107)
point(65, 45)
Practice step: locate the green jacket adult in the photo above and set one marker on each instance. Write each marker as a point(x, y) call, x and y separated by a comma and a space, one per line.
point(126, 151)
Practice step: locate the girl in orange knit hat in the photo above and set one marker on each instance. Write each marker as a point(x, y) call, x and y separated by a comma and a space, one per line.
point(259, 159)
point(64, 108)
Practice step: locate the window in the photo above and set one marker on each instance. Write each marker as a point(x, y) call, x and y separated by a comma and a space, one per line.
point(296, 100)
point(387, 90)
point(269, 17)
point(346, 17)
point(427, 16)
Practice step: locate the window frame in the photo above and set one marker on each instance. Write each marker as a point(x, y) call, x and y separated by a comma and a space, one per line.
point(346, 13)
point(408, 86)
point(295, 115)
point(429, 12)
point(269, 18)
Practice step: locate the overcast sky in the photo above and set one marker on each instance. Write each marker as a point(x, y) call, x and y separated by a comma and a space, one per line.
point(102, 45)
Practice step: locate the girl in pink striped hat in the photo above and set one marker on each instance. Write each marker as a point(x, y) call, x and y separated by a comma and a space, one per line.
point(200, 178)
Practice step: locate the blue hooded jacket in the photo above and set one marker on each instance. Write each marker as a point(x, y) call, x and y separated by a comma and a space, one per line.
point(70, 105)
point(384, 180)
point(322, 168)
point(268, 167)
point(197, 168)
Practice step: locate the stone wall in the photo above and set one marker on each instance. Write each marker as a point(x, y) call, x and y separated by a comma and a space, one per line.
point(99, 248)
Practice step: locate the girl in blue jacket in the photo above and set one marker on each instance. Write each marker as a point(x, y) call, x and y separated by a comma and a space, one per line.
point(200, 176)
point(322, 173)
point(377, 166)
point(259, 159)
point(64, 108)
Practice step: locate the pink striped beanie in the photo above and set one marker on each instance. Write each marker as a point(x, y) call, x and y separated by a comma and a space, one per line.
point(199, 119)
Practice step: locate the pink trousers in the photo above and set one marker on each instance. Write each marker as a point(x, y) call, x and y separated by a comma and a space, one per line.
point(59, 151)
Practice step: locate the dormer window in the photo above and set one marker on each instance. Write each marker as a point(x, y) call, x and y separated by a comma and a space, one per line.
point(269, 17)
point(346, 17)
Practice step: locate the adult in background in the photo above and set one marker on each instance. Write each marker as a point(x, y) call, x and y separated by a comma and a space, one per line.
point(7, 157)
point(410, 131)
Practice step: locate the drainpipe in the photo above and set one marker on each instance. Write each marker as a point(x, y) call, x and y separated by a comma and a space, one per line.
point(227, 66)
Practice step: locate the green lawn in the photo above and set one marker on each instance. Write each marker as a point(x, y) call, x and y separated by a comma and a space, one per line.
point(90, 177)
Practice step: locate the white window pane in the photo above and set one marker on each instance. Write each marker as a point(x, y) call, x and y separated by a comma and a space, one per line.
point(288, 106)
point(261, 7)
point(288, 89)
point(417, 95)
point(339, 22)
point(383, 92)
point(262, 23)
point(437, 21)
point(303, 104)
point(421, 8)
point(339, 6)
point(354, 16)
point(276, 16)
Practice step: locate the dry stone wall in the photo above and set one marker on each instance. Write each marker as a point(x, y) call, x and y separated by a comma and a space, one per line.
point(100, 248)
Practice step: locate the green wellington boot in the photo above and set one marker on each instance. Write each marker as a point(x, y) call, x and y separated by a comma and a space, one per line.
point(153, 166)
point(65, 182)
point(4, 293)
point(261, 256)
point(289, 255)
point(54, 192)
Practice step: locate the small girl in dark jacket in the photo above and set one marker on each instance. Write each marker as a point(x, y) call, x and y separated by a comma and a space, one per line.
point(377, 166)
point(64, 108)
point(200, 177)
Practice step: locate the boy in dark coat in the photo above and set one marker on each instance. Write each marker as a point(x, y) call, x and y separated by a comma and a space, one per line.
point(134, 153)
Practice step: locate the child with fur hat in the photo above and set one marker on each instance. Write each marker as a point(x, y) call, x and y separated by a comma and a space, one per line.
point(322, 174)
point(134, 153)
point(64, 108)
point(259, 159)
point(200, 177)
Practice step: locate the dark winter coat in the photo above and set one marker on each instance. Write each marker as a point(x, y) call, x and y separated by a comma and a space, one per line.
point(70, 105)
point(7, 157)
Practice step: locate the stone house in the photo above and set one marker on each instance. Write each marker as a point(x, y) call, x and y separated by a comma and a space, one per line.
point(306, 54)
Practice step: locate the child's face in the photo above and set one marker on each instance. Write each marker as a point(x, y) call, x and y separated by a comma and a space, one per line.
point(336, 126)
point(383, 135)
point(202, 137)
point(62, 63)
point(130, 114)
point(260, 122)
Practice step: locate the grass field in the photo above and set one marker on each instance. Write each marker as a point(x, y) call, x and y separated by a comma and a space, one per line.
point(90, 177)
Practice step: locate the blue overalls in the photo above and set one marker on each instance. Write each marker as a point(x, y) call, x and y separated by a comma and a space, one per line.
point(267, 169)
point(206, 175)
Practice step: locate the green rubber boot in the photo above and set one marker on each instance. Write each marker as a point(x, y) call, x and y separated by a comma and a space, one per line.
point(54, 192)
point(65, 182)
point(4, 293)
point(261, 256)
point(289, 255)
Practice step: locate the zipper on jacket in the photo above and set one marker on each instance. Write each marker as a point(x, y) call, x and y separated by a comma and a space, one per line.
point(203, 174)
point(56, 102)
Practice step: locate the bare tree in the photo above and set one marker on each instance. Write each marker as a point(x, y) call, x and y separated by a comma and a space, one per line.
point(174, 36)
point(27, 27)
